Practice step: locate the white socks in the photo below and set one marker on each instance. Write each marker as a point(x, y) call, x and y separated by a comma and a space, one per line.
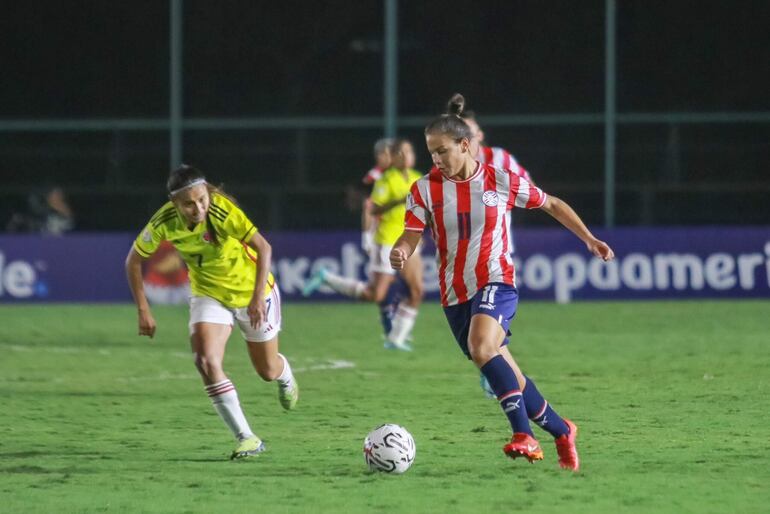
point(343, 285)
point(286, 377)
point(403, 322)
point(225, 400)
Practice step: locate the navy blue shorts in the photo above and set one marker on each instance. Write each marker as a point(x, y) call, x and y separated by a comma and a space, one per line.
point(496, 300)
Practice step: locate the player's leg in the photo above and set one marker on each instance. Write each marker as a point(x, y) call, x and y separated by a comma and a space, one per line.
point(379, 264)
point(271, 365)
point(492, 309)
point(210, 327)
point(406, 313)
point(389, 304)
point(509, 359)
point(262, 343)
point(543, 415)
point(387, 298)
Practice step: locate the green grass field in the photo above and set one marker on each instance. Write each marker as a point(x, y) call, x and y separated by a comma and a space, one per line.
point(672, 400)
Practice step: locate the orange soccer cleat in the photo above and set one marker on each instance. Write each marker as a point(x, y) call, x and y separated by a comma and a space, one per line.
point(565, 447)
point(524, 445)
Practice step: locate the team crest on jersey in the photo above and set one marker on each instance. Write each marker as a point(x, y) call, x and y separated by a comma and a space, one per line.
point(206, 237)
point(490, 198)
point(146, 235)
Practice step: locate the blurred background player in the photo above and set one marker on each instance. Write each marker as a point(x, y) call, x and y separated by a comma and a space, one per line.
point(388, 204)
point(358, 199)
point(465, 204)
point(165, 277)
point(229, 263)
point(493, 155)
point(381, 163)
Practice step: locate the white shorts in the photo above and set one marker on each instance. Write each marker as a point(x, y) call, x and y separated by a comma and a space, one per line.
point(209, 310)
point(379, 260)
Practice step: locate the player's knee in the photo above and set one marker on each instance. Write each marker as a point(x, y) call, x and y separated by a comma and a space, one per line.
point(416, 292)
point(378, 296)
point(207, 365)
point(481, 351)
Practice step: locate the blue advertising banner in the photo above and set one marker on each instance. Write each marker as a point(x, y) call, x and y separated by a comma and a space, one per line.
point(71, 268)
point(710, 262)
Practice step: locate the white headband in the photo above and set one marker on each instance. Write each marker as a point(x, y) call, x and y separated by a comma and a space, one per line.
point(191, 184)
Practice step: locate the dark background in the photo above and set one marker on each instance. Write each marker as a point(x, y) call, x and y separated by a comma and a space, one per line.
point(95, 59)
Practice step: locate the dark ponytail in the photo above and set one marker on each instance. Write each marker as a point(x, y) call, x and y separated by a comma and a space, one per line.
point(451, 123)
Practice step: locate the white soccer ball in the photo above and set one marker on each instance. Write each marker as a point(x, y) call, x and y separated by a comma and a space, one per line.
point(389, 448)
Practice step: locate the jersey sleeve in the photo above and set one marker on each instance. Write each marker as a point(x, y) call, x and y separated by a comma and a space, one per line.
point(149, 239)
point(416, 210)
point(237, 225)
point(524, 194)
point(372, 176)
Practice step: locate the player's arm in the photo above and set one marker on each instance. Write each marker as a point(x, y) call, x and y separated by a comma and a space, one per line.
point(135, 283)
point(380, 209)
point(258, 307)
point(367, 226)
point(565, 215)
point(404, 248)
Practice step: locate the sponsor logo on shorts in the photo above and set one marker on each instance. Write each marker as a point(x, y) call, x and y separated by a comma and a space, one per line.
point(146, 236)
point(487, 306)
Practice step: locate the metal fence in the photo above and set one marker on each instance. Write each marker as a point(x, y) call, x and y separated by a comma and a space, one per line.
point(626, 168)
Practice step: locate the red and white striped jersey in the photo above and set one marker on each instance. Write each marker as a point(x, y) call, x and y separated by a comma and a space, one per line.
point(372, 176)
point(501, 158)
point(470, 221)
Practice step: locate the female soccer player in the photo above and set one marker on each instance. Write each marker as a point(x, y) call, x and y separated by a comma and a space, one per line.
point(229, 265)
point(465, 203)
point(388, 202)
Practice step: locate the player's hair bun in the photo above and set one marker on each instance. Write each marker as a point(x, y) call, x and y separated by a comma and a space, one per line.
point(456, 104)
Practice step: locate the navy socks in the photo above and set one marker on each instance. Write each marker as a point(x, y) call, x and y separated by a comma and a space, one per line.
point(503, 381)
point(541, 412)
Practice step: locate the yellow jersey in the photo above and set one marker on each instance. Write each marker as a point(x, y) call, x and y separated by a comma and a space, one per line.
point(225, 271)
point(392, 186)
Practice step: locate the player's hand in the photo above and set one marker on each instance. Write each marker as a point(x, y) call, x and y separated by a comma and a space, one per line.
point(601, 250)
point(146, 324)
point(397, 258)
point(257, 311)
point(367, 241)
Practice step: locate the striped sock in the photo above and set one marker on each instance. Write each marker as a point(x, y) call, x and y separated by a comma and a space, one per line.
point(225, 399)
point(541, 412)
point(503, 381)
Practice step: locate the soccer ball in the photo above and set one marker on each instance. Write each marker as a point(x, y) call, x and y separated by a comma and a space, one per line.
point(389, 448)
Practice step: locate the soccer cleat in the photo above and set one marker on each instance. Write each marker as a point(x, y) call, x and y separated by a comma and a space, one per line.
point(404, 347)
point(288, 394)
point(248, 448)
point(565, 447)
point(316, 281)
point(484, 383)
point(524, 445)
